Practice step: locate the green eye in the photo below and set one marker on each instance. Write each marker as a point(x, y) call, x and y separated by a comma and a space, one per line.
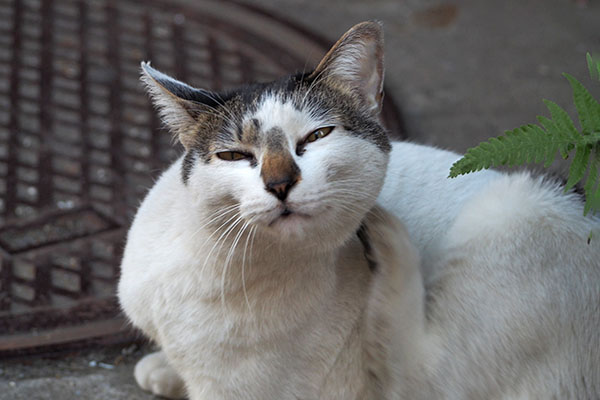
point(232, 156)
point(318, 134)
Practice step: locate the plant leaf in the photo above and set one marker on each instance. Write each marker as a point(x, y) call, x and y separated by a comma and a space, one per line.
point(526, 144)
point(592, 186)
point(593, 66)
point(588, 109)
point(564, 148)
point(578, 165)
point(562, 120)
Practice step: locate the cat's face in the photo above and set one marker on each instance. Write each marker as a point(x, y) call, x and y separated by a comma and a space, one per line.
point(301, 158)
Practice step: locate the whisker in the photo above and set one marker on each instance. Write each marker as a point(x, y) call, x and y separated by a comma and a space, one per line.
point(226, 232)
point(213, 218)
point(220, 226)
point(317, 79)
point(252, 231)
point(228, 261)
point(230, 117)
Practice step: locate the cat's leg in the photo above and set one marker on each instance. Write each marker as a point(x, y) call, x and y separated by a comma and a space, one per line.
point(397, 342)
point(154, 374)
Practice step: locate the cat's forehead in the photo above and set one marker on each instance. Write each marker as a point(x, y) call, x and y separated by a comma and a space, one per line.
point(280, 112)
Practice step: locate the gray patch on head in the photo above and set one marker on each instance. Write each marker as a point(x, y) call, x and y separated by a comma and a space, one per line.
point(274, 139)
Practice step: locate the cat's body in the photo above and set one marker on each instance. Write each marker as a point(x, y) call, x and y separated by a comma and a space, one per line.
point(250, 276)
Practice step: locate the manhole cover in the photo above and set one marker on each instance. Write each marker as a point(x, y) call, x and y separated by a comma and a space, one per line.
point(79, 143)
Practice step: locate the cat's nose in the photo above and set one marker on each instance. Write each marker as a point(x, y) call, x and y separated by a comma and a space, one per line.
point(282, 188)
point(279, 173)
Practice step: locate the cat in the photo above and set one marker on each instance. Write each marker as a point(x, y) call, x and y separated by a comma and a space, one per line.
point(294, 252)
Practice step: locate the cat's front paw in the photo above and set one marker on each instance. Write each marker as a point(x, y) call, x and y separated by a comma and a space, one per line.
point(381, 233)
point(384, 238)
point(154, 374)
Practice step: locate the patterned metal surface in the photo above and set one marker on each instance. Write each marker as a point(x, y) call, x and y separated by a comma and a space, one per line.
point(79, 143)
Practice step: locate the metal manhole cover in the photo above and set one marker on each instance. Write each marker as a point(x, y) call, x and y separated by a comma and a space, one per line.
point(79, 143)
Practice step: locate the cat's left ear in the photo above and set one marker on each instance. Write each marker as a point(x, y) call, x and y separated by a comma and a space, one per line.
point(355, 64)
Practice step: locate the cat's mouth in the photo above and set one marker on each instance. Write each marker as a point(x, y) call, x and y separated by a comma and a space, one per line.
point(287, 214)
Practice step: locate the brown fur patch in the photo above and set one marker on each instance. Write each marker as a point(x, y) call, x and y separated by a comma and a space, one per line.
point(251, 132)
point(278, 165)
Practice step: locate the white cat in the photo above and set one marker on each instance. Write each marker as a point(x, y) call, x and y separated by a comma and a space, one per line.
point(244, 263)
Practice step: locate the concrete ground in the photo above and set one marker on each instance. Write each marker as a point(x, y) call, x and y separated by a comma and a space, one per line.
point(460, 72)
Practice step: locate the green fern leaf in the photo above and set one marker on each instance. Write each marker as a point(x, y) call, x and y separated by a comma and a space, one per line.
point(593, 66)
point(563, 142)
point(594, 201)
point(578, 166)
point(526, 144)
point(562, 120)
point(588, 109)
point(592, 186)
point(475, 159)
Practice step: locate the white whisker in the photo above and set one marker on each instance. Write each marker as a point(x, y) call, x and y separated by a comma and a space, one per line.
point(228, 260)
point(252, 231)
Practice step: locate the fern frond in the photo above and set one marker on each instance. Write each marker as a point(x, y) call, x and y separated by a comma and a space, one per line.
point(588, 109)
point(578, 166)
point(526, 144)
point(557, 134)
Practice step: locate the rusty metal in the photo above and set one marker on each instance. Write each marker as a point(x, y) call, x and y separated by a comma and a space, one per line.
point(80, 145)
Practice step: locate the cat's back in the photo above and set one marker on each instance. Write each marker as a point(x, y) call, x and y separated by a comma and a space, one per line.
point(520, 276)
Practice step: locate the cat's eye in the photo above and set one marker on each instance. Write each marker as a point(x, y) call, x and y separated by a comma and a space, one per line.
point(233, 155)
point(318, 134)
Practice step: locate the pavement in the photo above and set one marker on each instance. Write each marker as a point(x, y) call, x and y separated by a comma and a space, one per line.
point(460, 73)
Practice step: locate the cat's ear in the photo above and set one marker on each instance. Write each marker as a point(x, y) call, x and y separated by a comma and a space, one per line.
point(183, 109)
point(356, 62)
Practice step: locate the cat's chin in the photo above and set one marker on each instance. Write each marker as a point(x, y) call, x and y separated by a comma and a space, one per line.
point(290, 226)
point(298, 228)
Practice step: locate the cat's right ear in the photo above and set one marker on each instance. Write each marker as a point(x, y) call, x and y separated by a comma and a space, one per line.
point(183, 109)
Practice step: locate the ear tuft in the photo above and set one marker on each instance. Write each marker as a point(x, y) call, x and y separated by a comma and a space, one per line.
point(179, 105)
point(355, 63)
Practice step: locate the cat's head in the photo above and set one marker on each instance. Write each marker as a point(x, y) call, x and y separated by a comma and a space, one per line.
point(301, 158)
